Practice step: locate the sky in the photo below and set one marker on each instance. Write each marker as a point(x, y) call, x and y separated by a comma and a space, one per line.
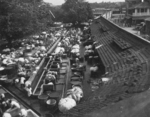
point(59, 2)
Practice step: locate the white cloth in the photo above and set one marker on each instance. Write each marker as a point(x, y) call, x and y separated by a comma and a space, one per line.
point(16, 104)
point(33, 46)
point(6, 115)
point(22, 80)
point(106, 79)
point(2, 95)
point(16, 80)
point(88, 47)
point(59, 44)
point(34, 72)
point(50, 83)
point(58, 65)
point(76, 50)
point(29, 91)
point(50, 76)
point(90, 51)
point(76, 93)
point(27, 83)
point(94, 69)
point(41, 42)
point(66, 104)
point(23, 112)
point(36, 36)
point(2, 68)
point(76, 46)
point(44, 33)
point(21, 60)
point(28, 48)
point(43, 48)
point(59, 49)
point(58, 34)
point(26, 61)
point(7, 61)
point(22, 73)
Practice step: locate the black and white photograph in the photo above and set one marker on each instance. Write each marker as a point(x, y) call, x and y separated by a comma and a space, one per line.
point(74, 58)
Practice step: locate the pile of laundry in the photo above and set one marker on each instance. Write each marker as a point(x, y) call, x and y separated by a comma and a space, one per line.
point(74, 96)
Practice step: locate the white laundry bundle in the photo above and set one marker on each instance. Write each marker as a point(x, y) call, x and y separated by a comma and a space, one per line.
point(43, 48)
point(76, 46)
point(15, 104)
point(37, 42)
point(88, 47)
point(37, 68)
point(105, 80)
point(30, 58)
point(59, 49)
point(28, 48)
point(26, 61)
point(23, 112)
point(58, 34)
point(27, 83)
point(59, 44)
point(44, 33)
point(75, 50)
point(29, 91)
point(35, 36)
point(76, 93)
point(7, 61)
point(66, 104)
point(2, 95)
point(7, 115)
point(22, 80)
point(22, 73)
point(22, 60)
point(6, 50)
point(33, 46)
point(17, 80)
point(94, 68)
point(35, 72)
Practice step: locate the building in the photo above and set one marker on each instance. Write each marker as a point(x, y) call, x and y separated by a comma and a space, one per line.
point(138, 10)
point(107, 15)
point(147, 29)
point(118, 14)
point(102, 12)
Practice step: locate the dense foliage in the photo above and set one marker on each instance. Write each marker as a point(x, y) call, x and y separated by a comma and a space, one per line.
point(22, 17)
point(19, 18)
point(76, 11)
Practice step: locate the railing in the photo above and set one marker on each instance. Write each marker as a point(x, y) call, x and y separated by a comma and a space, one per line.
point(34, 78)
point(22, 102)
point(141, 14)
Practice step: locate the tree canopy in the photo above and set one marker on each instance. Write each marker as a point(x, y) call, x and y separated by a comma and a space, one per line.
point(19, 18)
point(22, 17)
point(76, 11)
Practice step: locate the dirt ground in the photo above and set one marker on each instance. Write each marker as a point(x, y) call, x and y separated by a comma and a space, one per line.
point(136, 106)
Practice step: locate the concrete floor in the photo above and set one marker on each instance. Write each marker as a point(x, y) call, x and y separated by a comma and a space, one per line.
point(136, 106)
